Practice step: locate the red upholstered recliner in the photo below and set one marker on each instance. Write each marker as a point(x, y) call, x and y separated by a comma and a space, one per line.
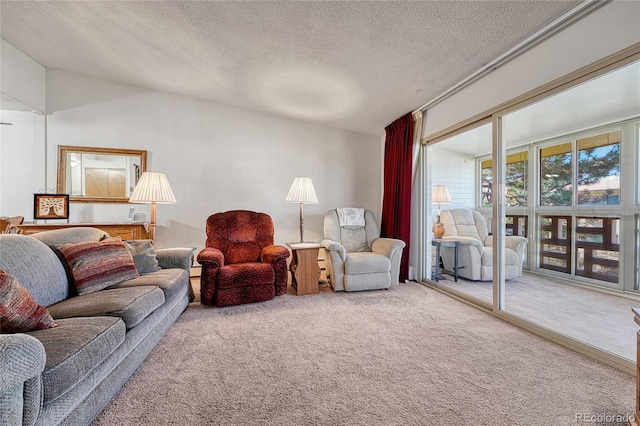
point(240, 263)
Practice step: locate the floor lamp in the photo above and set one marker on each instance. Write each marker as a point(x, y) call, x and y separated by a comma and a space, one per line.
point(152, 188)
point(302, 192)
point(439, 195)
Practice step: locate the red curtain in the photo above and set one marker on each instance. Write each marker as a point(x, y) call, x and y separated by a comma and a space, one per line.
point(396, 200)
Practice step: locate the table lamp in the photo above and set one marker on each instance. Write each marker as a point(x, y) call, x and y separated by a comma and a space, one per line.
point(152, 188)
point(439, 195)
point(302, 192)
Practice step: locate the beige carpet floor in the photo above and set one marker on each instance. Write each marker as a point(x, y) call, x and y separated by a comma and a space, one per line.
point(406, 356)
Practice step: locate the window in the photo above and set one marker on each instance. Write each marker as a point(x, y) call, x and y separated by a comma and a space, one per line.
point(555, 175)
point(599, 169)
point(516, 179)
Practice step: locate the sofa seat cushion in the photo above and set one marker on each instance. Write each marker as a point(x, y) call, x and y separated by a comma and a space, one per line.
point(366, 263)
point(74, 349)
point(131, 304)
point(171, 281)
point(242, 274)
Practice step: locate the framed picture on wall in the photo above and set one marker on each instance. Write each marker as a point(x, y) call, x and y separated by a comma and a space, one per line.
point(51, 206)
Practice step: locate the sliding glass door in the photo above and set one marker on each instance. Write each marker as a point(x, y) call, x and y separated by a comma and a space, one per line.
point(455, 257)
point(556, 183)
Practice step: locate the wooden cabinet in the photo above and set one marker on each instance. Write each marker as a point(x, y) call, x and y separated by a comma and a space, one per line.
point(126, 231)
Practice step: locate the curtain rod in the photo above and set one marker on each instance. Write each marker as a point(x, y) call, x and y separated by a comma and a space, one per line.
point(571, 16)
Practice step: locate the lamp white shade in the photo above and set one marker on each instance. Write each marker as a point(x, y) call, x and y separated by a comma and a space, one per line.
point(440, 195)
point(153, 187)
point(302, 191)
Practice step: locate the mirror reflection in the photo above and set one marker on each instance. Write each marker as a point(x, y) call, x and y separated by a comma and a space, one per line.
point(99, 174)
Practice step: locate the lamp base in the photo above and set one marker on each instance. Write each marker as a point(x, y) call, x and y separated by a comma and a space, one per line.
point(438, 230)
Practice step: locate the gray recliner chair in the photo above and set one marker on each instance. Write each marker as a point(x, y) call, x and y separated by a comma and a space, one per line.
point(475, 251)
point(357, 258)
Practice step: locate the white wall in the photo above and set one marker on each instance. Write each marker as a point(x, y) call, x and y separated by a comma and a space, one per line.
point(21, 77)
point(216, 157)
point(21, 162)
point(22, 145)
point(457, 172)
point(605, 31)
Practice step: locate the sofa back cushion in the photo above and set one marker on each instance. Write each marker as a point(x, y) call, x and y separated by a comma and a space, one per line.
point(352, 238)
point(35, 266)
point(464, 223)
point(56, 237)
point(240, 234)
point(69, 236)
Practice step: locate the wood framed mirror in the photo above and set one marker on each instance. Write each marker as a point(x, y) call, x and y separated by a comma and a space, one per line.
point(99, 175)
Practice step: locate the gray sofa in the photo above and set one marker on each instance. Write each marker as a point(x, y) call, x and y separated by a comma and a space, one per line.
point(68, 374)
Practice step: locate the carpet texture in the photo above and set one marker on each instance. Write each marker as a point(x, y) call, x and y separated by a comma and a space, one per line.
point(405, 356)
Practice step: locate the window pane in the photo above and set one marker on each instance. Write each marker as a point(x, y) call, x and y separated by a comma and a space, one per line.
point(599, 169)
point(555, 175)
point(516, 224)
point(516, 180)
point(589, 238)
point(590, 222)
point(516, 175)
point(487, 184)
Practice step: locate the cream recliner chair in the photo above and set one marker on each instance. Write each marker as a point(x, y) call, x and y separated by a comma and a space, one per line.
point(357, 258)
point(475, 251)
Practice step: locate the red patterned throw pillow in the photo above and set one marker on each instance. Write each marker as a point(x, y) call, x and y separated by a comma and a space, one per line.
point(96, 265)
point(19, 312)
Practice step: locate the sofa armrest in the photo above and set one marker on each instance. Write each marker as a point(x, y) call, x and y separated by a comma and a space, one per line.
point(467, 241)
point(273, 253)
point(333, 246)
point(513, 242)
point(22, 357)
point(175, 258)
point(387, 246)
point(211, 256)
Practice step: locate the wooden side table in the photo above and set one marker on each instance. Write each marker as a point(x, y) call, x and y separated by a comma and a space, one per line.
point(438, 244)
point(305, 271)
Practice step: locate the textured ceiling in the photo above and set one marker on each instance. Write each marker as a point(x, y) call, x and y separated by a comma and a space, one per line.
point(353, 65)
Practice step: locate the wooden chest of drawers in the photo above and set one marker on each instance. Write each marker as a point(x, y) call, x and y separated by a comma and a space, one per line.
point(126, 231)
